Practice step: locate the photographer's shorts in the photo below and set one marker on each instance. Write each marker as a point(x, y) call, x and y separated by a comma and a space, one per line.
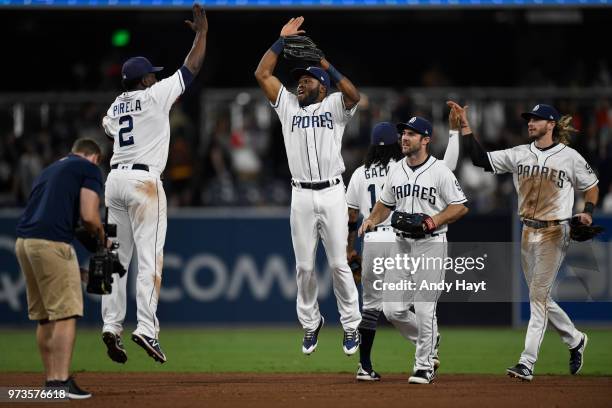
point(53, 280)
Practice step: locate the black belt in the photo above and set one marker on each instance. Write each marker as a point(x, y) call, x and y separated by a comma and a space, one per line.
point(415, 236)
point(136, 166)
point(317, 185)
point(537, 224)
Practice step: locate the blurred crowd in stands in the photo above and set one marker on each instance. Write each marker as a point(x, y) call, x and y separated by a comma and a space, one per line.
point(233, 155)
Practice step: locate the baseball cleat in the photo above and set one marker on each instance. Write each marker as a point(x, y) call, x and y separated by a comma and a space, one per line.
point(114, 347)
point(367, 375)
point(422, 377)
point(311, 338)
point(350, 342)
point(520, 371)
point(151, 346)
point(577, 355)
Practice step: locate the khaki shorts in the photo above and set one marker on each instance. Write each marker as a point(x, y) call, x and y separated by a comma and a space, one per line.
point(53, 280)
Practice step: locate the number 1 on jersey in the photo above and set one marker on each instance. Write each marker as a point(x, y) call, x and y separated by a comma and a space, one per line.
point(124, 131)
point(372, 190)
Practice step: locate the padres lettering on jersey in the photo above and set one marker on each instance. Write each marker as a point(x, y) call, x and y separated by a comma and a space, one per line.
point(138, 122)
point(365, 187)
point(313, 135)
point(545, 180)
point(428, 189)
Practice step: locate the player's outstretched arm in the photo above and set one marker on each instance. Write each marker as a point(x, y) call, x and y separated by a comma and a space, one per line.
point(450, 214)
point(270, 84)
point(477, 152)
point(379, 213)
point(451, 155)
point(350, 93)
point(195, 58)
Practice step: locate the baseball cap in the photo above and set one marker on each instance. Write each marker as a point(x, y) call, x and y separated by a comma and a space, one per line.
point(542, 111)
point(137, 67)
point(317, 73)
point(417, 124)
point(384, 133)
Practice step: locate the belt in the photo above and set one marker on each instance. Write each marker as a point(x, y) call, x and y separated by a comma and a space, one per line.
point(316, 185)
point(136, 166)
point(537, 224)
point(415, 236)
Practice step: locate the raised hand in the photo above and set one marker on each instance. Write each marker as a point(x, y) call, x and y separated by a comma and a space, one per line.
point(293, 27)
point(461, 112)
point(199, 23)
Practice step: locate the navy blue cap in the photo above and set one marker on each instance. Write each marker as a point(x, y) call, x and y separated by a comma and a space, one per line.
point(137, 67)
point(542, 111)
point(417, 124)
point(317, 73)
point(384, 133)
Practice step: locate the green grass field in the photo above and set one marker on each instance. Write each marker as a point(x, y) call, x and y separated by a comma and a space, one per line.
point(270, 350)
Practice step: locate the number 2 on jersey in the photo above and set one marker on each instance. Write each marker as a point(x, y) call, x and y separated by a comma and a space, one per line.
point(125, 139)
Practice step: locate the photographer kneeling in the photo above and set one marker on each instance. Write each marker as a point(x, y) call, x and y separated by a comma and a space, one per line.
point(65, 191)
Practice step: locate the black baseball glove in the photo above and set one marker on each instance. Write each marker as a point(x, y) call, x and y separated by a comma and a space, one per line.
point(415, 224)
point(582, 232)
point(301, 48)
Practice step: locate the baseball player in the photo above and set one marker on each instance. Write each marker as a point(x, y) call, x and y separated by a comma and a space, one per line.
point(545, 172)
point(138, 123)
point(420, 184)
point(363, 191)
point(313, 123)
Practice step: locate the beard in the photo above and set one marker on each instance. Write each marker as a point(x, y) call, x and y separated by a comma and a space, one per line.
point(308, 99)
point(408, 150)
point(536, 134)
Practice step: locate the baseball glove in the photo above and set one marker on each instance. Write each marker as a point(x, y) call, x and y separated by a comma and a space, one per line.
point(355, 265)
point(582, 232)
point(301, 48)
point(415, 224)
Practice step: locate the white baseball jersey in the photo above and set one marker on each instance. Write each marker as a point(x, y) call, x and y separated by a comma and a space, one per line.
point(365, 187)
point(313, 135)
point(138, 122)
point(545, 180)
point(428, 188)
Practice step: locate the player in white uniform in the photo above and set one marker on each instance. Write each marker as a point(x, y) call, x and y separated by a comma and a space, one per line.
point(546, 172)
point(419, 184)
point(363, 191)
point(313, 123)
point(138, 123)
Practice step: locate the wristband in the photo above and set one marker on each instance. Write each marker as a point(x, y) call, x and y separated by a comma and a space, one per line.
point(278, 46)
point(452, 133)
point(589, 207)
point(334, 74)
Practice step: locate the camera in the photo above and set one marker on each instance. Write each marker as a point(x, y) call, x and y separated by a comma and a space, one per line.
point(104, 263)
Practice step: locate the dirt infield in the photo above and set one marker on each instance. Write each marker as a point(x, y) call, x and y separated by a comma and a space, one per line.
point(327, 390)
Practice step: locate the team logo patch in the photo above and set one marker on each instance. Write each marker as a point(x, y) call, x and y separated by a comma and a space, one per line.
point(458, 186)
point(412, 120)
point(536, 108)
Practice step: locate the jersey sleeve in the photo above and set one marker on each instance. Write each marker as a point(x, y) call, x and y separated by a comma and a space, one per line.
point(502, 161)
point(286, 103)
point(166, 91)
point(450, 189)
point(352, 192)
point(584, 176)
point(451, 155)
point(339, 112)
point(387, 197)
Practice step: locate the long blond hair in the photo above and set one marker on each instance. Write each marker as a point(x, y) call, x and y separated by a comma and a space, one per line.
point(563, 130)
